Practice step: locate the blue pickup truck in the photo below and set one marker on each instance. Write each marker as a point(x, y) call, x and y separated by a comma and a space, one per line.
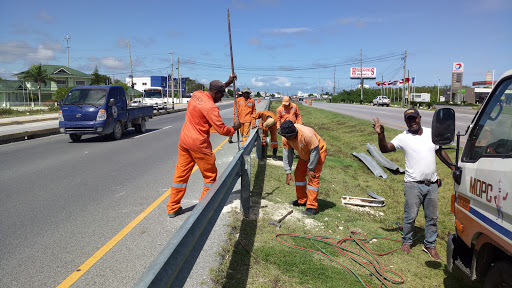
point(100, 110)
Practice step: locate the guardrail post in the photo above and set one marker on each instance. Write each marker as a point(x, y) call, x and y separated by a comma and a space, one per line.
point(259, 149)
point(245, 189)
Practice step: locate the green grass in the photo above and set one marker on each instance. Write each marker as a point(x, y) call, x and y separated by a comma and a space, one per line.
point(254, 258)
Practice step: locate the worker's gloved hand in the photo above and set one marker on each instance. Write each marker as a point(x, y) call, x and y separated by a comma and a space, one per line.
point(289, 179)
point(253, 126)
point(237, 125)
point(279, 130)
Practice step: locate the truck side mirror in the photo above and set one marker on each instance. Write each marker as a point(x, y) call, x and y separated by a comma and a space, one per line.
point(112, 102)
point(443, 126)
point(60, 102)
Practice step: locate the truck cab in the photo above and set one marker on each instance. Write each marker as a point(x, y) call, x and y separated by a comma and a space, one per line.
point(482, 201)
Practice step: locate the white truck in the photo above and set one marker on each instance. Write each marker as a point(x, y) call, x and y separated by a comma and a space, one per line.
point(482, 203)
point(152, 96)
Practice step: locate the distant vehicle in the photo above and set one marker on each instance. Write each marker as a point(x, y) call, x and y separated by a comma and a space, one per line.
point(152, 96)
point(381, 101)
point(100, 110)
point(482, 203)
point(267, 98)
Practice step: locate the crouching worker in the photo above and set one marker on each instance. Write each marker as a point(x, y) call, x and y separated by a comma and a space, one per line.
point(194, 146)
point(312, 153)
point(268, 123)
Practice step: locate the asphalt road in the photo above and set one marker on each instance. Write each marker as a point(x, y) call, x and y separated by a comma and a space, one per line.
point(68, 206)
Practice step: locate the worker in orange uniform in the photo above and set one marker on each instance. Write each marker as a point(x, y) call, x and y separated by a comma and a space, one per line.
point(312, 153)
point(194, 146)
point(268, 123)
point(288, 111)
point(246, 109)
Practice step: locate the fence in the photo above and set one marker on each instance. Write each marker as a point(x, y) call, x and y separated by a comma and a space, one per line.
point(173, 265)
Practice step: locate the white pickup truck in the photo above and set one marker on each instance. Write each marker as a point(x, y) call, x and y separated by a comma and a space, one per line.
point(381, 101)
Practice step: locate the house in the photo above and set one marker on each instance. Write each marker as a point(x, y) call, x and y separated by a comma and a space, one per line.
point(13, 92)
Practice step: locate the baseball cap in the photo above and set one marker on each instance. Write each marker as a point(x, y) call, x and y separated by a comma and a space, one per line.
point(217, 85)
point(286, 100)
point(411, 112)
point(269, 123)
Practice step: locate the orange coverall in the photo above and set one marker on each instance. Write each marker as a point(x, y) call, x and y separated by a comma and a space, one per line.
point(195, 146)
point(307, 139)
point(290, 112)
point(246, 110)
point(263, 115)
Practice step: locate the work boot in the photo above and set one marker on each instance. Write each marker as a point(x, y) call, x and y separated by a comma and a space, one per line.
point(432, 252)
point(274, 154)
point(176, 213)
point(310, 212)
point(296, 203)
point(406, 248)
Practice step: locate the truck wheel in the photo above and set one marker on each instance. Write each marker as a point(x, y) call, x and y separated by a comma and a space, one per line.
point(499, 275)
point(118, 131)
point(142, 126)
point(75, 137)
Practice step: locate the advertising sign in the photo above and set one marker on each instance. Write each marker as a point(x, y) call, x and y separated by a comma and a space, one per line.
point(458, 67)
point(368, 73)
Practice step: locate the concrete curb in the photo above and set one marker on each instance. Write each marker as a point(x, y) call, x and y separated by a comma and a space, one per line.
point(26, 135)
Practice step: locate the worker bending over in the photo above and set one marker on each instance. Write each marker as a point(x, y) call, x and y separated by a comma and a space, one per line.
point(268, 123)
point(194, 146)
point(312, 153)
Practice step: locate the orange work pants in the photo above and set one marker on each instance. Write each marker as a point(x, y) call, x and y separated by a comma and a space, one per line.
point(245, 129)
point(273, 136)
point(307, 192)
point(186, 161)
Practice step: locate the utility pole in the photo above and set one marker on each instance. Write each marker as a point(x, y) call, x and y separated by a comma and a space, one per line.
point(131, 74)
point(172, 79)
point(438, 84)
point(403, 87)
point(67, 38)
point(179, 79)
point(334, 82)
point(408, 90)
point(362, 81)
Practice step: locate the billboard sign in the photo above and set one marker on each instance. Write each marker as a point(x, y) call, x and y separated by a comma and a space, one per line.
point(368, 73)
point(458, 67)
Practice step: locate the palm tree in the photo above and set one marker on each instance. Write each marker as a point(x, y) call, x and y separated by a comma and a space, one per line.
point(38, 75)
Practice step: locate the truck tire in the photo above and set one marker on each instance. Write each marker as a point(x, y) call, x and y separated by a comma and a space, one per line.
point(118, 131)
point(75, 137)
point(499, 275)
point(141, 128)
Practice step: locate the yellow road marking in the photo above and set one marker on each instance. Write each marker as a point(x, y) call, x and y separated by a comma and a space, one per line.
point(103, 250)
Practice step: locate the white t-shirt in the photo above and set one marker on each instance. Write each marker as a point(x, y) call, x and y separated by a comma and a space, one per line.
point(420, 156)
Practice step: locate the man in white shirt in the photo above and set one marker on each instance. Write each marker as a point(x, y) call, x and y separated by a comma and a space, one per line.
point(420, 181)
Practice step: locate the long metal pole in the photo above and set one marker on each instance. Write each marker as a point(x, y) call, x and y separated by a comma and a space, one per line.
point(234, 87)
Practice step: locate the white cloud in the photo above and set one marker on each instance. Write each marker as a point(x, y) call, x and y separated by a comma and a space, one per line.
point(122, 43)
point(45, 17)
point(255, 41)
point(267, 81)
point(14, 51)
point(287, 31)
point(358, 21)
point(109, 63)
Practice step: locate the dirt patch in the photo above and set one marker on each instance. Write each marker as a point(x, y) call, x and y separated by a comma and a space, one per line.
point(275, 211)
point(366, 210)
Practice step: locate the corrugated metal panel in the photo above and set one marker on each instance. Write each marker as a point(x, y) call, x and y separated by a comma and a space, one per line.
point(370, 163)
point(382, 160)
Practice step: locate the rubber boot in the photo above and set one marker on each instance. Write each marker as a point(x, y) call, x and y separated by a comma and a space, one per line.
point(274, 154)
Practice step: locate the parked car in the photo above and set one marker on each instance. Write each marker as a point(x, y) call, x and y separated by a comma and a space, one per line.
point(381, 101)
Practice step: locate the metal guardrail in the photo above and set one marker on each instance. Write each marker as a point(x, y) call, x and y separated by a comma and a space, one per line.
point(382, 160)
point(173, 265)
point(371, 164)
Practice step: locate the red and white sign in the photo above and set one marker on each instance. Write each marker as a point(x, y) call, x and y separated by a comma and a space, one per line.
point(368, 73)
point(458, 67)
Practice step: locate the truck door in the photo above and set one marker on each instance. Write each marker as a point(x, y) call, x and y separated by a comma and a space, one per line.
point(118, 95)
point(486, 162)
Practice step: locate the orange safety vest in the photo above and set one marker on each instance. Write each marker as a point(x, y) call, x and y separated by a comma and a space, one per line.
point(291, 113)
point(202, 114)
point(245, 110)
point(306, 140)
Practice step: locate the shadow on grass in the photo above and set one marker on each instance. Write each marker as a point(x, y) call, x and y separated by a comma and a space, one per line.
point(240, 264)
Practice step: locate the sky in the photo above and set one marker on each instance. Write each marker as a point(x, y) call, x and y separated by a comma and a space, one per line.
point(278, 45)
